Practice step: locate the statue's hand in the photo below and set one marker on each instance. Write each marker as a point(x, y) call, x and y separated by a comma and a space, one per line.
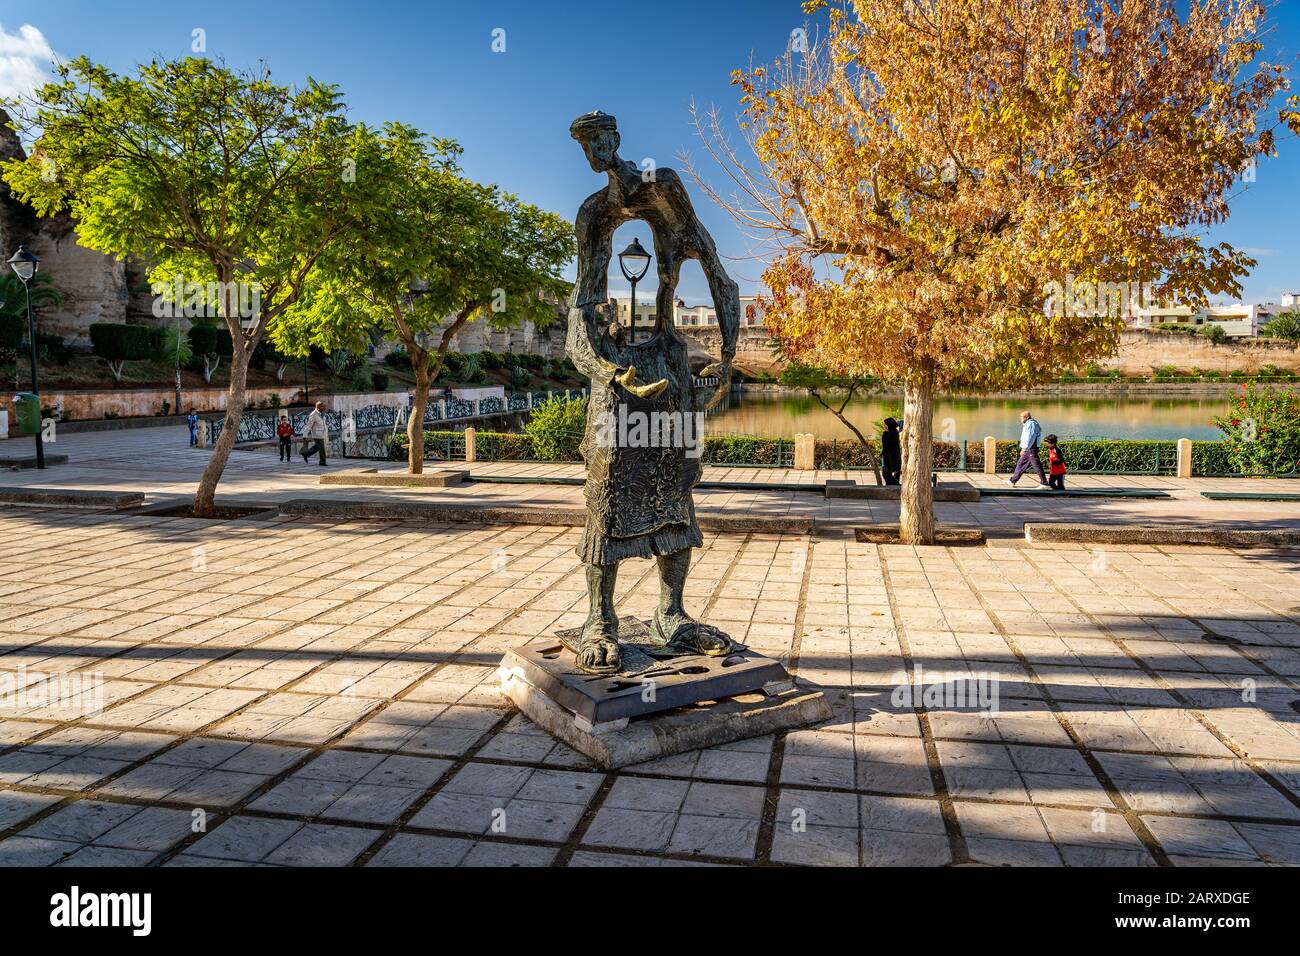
point(628, 380)
point(723, 372)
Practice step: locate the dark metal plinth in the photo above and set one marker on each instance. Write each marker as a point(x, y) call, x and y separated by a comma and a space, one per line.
point(654, 678)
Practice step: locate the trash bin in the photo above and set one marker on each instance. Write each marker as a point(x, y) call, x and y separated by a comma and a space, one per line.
point(28, 408)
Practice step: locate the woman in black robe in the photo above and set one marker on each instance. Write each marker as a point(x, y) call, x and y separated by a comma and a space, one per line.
point(891, 453)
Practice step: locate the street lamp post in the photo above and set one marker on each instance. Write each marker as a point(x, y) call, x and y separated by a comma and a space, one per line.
point(25, 265)
point(628, 260)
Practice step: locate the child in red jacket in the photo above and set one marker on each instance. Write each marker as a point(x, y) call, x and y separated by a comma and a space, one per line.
point(285, 431)
point(1055, 464)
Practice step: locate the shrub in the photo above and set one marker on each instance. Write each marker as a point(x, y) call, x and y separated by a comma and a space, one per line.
point(472, 372)
point(1214, 333)
point(12, 330)
point(490, 360)
point(1262, 431)
point(453, 363)
point(556, 428)
point(116, 344)
point(361, 380)
point(379, 380)
point(519, 378)
point(398, 359)
point(53, 348)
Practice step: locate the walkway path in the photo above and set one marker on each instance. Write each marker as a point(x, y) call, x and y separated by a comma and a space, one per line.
point(156, 460)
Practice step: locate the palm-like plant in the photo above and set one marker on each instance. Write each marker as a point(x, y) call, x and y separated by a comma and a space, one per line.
point(13, 313)
point(1285, 326)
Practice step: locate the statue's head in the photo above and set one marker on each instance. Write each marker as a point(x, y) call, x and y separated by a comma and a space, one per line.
point(598, 134)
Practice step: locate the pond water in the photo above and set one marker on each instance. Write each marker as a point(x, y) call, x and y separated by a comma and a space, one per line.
point(776, 415)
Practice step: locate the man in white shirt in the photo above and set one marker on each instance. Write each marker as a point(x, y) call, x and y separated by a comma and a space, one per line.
point(1030, 432)
point(315, 431)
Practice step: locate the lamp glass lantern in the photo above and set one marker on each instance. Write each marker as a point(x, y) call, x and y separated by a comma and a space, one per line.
point(24, 264)
point(635, 262)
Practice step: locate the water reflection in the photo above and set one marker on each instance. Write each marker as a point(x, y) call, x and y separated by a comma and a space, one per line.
point(782, 416)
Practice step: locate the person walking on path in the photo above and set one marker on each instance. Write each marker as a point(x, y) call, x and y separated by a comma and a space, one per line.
point(1056, 467)
point(1030, 432)
point(891, 453)
point(285, 432)
point(315, 432)
point(192, 419)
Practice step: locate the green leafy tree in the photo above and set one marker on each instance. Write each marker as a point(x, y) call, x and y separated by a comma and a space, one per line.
point(435, 252)
point(211, 175)
point(818, 382)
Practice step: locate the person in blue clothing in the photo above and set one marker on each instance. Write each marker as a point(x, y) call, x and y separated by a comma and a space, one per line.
point(1030, 433)
point(192, 419)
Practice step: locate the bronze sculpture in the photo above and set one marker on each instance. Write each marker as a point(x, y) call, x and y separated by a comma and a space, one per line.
point(639, 496)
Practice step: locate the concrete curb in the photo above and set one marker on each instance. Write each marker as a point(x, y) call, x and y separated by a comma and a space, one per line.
point(561, 517)
point(1161, 534)
point(71, 498)
point(372, 477)
point(944, 491)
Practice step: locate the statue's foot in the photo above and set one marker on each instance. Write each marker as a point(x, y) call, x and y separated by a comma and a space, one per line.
point(598, 648)
point(684, 633)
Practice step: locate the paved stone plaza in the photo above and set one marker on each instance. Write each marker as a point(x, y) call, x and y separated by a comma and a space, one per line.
point(289, 692)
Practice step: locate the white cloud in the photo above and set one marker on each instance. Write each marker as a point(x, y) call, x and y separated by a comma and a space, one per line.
point(25, 59)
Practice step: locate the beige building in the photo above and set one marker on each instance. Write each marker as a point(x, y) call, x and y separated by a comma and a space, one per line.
point(1239, 320)
point(751, 313)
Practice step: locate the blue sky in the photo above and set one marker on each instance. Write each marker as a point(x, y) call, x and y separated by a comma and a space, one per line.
point(430, 63)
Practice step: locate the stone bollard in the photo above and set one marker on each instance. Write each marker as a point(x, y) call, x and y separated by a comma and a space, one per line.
point(805, 447)
point(990, 456)
point(471, 450)
point(1184, 458)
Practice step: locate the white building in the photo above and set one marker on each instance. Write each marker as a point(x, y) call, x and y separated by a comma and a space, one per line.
point(751, 313)
point(1239, 320)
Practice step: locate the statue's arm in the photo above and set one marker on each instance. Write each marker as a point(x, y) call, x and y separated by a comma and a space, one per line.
point(582, 350)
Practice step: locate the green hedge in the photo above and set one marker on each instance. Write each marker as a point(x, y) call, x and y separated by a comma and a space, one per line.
point(746, 450)
point(211, 340)
point(1117, 456)
point(117, 342)
point(489, 446)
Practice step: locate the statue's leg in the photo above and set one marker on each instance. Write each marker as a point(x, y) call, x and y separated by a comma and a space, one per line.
point(672, 624)
point(598, 646)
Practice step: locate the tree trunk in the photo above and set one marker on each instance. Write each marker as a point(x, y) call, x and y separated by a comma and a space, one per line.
point(205, 499)
point(916, 498)
point(415, 427)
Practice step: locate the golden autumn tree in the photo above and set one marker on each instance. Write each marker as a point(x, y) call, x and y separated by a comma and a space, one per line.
point(963, 193)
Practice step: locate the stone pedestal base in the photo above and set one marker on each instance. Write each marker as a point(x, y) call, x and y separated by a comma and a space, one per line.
point(683, 703)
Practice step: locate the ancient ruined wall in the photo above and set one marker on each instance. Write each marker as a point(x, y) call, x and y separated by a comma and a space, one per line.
point(93, 286)
point(1142, 352)
point(753, 347)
